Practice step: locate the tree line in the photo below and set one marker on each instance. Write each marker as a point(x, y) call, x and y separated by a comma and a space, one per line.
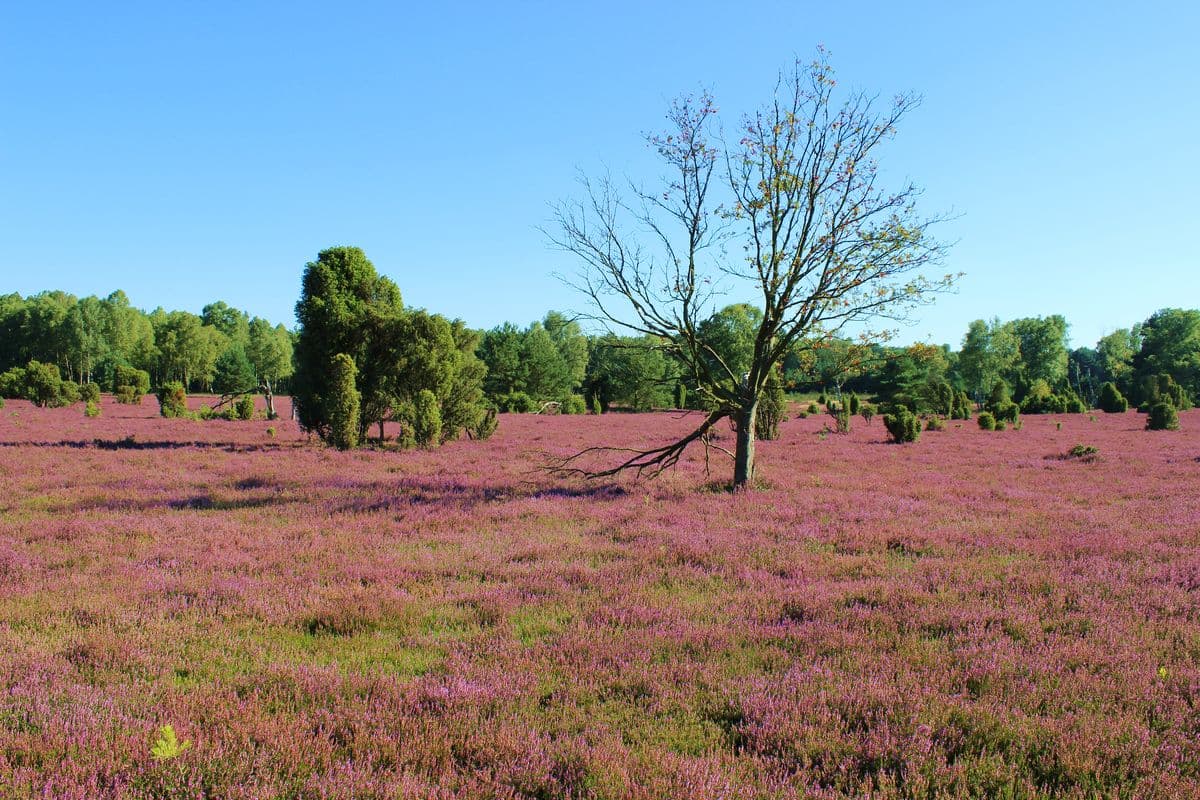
point(552, 363)
point(94, 340)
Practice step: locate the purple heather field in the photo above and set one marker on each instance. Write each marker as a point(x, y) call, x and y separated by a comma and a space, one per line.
point(972, 615)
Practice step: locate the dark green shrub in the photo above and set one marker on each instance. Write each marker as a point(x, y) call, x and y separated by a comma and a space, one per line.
point(127, 395)
point(903, 425)
point(138, 379)
point(1007, 412)
point(1163, 417)
point(935, 424)
point(41, 384)
point(771, 408)
point(427, 419)
point(92, 409)
point(12, 384)
point(1162, 388)
point(813, 408)
point(172, 400)
point(987, 421)
point(822, 399)
point(855, 403)
point(1111, 400)
point(594, 404)
point(518, 403)
point(680, 395)
point(961, 408)
point(343, 403)
point(1075, 404)
point(999, 395)
point(573, 404)
point(999, 425)
point(244, 408)
point(486, 426)
point(68, 394)
point(867, 412)
point(841, 417)
point(89, 392)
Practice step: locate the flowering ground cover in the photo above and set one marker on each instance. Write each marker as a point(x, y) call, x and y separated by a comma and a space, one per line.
point(973, 615)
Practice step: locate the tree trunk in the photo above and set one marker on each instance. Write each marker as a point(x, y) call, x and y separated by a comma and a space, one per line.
point(269, 396)
point(743, 461)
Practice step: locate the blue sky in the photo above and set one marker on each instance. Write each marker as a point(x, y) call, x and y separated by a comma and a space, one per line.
point(193, 152)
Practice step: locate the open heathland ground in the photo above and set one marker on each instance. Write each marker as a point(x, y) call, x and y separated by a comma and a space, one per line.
point(973, 615)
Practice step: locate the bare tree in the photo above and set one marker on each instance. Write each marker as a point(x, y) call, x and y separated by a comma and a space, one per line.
point(792, 213)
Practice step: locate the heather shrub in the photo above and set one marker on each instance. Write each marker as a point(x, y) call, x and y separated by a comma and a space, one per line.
point(39, 383)
point(902, 425)
point(771, 408)
point(1163, 388)
point(427, 419)
point(987, 421)
point(867, 412)
point(961, 407)
point(343, 403)
point(89, 392)
point(941, 398)
point(244, 408)
point(486, 426)
point(137, 379)
point(1007, 412)
point(999, 395)
point(12, 383)
point(172, 400)
point(573, 404)
point(68, 394)
point(92, 409)
point(1111, 400)
point(517, 403)
point(1163, 416)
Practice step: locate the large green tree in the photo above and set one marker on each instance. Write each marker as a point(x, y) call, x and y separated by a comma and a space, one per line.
point(1171, 346)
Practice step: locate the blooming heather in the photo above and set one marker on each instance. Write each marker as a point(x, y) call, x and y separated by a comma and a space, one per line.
point(970, 616)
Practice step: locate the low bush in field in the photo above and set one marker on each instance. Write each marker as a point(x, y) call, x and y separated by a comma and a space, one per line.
point(172, 400)
point(902, 425)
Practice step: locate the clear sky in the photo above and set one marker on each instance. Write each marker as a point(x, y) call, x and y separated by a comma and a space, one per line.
point(187, 152)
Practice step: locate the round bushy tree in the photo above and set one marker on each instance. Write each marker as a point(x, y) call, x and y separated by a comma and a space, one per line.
point(244, 408)
point(986, 421)
point(89, 392)
point(1163, 417)
point(1111, 399)
point(902, 425)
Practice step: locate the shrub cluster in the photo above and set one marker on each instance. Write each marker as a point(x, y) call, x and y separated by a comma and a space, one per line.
point(987, 421)
point(39, 383)
point(244, 408)
point(427, 419)
point(130, 384)
point(517, 403)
